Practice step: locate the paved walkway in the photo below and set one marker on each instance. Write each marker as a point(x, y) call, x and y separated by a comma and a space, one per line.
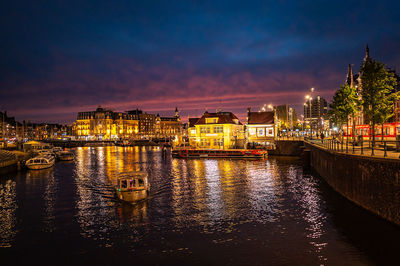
point(365, 151)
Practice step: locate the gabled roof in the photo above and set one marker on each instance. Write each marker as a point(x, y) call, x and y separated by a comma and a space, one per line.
point(260, 118)
point(193, 121)
point(223, 118)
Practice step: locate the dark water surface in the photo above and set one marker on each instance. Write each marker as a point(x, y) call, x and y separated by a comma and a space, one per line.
point(208, 211)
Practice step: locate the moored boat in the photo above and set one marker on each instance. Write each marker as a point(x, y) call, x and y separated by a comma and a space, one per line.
point(57, 150)
point(40, 162)
point(211, 153)
point(132, 186)
point(66, 156)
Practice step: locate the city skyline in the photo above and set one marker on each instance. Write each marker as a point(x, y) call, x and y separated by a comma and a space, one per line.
point(61, 59)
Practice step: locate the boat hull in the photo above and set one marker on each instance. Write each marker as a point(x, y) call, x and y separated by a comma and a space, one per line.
point(66, 158)
point(39, 166)
point(132, 195)
point(240, 154)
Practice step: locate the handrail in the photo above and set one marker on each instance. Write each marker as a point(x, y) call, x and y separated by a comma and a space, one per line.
point(385, 148)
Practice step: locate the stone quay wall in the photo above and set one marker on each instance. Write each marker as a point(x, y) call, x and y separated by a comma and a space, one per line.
point(372, 183)
point(287, 148)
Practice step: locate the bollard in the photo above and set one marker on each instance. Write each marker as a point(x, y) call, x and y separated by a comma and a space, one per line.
point(384, 147)
point(362, 144)
point(354, 147)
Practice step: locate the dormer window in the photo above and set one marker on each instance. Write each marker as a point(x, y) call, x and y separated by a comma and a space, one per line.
point(212, 120)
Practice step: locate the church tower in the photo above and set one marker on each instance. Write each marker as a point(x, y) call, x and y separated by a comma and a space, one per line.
point(176, 112)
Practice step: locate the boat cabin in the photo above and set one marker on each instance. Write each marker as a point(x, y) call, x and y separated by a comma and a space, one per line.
point(132, 181)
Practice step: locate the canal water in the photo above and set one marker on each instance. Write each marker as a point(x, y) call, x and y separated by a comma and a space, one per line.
point(206, 211)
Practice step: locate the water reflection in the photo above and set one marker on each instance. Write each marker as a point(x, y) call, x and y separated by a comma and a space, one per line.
point(218, 211)
point(8, 206)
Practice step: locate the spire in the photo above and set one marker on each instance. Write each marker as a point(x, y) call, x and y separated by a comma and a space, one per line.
point(351, 80)
point(176, 112)
point(366, 53)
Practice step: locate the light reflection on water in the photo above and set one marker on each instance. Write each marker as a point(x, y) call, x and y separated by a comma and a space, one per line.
point(268, 209)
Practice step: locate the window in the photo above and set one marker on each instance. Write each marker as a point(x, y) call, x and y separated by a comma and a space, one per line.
point(261, 132)
point(204, 142)
point(205, 130)
point(124, 184)
point(141, 182)
point(270, 132)
point(132, 182)
point(218, 129)
point(212, 120)
point(218, 142)
point(252, 131)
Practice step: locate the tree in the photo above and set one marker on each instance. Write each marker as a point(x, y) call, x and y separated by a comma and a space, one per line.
point(378, 93)
point(345, 103)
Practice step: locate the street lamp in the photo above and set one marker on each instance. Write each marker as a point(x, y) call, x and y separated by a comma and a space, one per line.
point(309, 116)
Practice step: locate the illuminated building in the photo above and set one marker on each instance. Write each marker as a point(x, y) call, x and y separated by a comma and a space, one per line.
point(192, 131)
point(168, 127)
point(260, 128)
point(361, 123)
point(104, 124)
point(220, 130)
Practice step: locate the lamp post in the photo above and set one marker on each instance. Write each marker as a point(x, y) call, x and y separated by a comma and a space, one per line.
point(309, 115)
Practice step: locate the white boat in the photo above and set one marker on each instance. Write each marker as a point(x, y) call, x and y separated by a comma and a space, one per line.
point(65, 156)
point(40, 162)
point(132, 186)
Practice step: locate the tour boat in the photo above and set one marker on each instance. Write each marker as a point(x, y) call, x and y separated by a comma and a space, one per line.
point(211, 153)
point(40, 162)
point(132, 186)
point(65, 156)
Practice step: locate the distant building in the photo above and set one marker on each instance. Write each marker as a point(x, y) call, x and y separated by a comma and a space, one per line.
point(220, 130)
point(168, 127)
point(104, 124)
point(315, 111)
point(260, 128)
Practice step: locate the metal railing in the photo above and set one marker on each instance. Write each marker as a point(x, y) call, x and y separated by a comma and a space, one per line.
point(385, 148)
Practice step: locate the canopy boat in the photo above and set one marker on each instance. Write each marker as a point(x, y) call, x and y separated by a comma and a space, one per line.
point(66, 156)
point(132, 186)
point(40, 162)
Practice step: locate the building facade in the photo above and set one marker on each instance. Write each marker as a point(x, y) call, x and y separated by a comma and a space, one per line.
point(260, 128)
point(191, 131)
point(104, 124)
point(220, 130)
point(168, 127)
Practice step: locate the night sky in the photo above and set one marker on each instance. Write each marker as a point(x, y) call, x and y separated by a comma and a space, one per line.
point(62, 57)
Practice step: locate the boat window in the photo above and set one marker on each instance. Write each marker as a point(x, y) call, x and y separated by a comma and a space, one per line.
point(141, 182)
point(132, 182)
point(37, 161)
point(124, 184)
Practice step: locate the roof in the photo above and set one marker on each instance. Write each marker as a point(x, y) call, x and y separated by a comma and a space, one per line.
point(260, 118)
point(173, 118)
point(193, 121)
point(223, 118)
